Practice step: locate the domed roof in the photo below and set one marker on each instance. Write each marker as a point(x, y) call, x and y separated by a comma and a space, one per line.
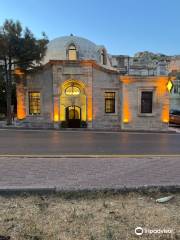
point(57, 49)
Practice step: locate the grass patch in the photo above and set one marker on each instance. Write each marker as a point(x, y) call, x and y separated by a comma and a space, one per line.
point(88, 216)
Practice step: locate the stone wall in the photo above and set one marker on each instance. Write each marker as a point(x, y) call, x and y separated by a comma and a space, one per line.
point(105, 82)
point(40, 81)
point(132, 87)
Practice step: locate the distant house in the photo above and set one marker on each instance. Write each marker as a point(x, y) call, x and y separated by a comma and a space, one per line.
point(174, 69)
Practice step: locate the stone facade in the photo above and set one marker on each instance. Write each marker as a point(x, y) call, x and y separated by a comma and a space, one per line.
point(132, 88)
point(91, 80)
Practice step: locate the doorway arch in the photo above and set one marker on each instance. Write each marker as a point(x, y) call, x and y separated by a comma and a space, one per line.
point(73, 103)
point(73, 116)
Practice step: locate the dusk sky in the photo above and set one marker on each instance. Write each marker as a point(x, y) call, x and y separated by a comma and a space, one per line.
point(122, 26)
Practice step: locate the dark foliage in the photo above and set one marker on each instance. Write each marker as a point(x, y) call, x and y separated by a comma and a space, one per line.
point(19, 49)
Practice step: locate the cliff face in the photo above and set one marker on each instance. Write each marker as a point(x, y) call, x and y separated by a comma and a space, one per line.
point(149, 56)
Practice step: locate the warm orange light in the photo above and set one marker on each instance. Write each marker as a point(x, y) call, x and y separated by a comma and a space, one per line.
point(126, 120)
point(163, 88)
point(165, 114)
point(164, 85)
point(89, 109)
point(127, 79)
point(165, 120)
point(56, 118)
point(126, 108)
point(56, 110)
point(21, 106)
point(18, 71)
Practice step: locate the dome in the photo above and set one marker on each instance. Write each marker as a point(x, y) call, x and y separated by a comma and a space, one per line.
point(87, 50)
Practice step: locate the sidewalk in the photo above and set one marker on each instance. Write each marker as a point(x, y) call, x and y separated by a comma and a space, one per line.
point(176, 129)
point(88, 173)
point(17, 126)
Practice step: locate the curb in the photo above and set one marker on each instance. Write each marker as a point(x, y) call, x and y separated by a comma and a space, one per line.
point(90, 156)
point(88, 130)
point(77, 191)
point(8, 190)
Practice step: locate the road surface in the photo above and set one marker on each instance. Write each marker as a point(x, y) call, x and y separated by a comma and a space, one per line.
point(51, 142)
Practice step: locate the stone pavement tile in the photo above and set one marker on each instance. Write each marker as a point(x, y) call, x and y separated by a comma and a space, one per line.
point(88, 173)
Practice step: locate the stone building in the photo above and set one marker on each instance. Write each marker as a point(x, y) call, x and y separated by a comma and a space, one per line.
point(174, 70)
point(81, 85)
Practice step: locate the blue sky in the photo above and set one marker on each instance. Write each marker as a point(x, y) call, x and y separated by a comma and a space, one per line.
point(123, 26)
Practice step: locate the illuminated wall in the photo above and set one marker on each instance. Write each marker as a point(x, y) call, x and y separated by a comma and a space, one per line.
point(21, 101)
point(126, 117)
point(89, 109)
point(165, 114)
point(126, 112)
point(67, 99)
point(56, 108)
point(62, 111)
point(131, 102)
point(163, 97)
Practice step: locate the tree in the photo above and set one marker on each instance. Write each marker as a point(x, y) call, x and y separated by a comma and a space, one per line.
point(3, 102)
point(19, 49)
point(2, 94)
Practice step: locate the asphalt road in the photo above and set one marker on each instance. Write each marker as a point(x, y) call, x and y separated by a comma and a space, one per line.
point(32, 142)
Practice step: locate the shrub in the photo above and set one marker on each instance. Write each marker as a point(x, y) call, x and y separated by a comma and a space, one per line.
point(64, 124)
point(83, 124)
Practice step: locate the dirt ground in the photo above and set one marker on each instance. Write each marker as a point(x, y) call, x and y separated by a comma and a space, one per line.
point(97, 216)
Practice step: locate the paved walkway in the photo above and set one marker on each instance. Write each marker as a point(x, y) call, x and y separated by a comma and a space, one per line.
point(176, 129)
point(88, 173)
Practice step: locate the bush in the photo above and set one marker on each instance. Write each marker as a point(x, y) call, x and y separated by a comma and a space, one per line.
point(64, 124)
point(83, 124)
point(2, 116)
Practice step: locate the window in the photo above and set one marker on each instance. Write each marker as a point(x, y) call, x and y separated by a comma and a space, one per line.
point(146, 101)
point(177, 87)
point(72, 53)
point(72, 91)
point(103, 57)
point(34, 103)
point(109, 102)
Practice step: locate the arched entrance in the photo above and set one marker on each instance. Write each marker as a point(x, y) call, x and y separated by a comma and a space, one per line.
point(73, 103)
point(73, 116)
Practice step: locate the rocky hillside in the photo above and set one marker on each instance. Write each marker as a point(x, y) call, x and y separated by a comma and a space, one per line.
point(146, 57)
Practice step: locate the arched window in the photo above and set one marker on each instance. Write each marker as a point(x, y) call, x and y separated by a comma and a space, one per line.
point(72, 52)
point(72, 91)
point(103, 57)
